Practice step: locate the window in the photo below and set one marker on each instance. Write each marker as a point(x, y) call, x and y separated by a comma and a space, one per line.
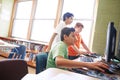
point(45, 15)
point(43, 24)
point(21, 20)
point(83, 12)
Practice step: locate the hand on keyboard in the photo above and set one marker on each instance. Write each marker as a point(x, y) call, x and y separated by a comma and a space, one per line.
point(113, 69)
point(100, 75)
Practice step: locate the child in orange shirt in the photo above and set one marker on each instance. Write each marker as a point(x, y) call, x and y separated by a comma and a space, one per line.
point(73, 50)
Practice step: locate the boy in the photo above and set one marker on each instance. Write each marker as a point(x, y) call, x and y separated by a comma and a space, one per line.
point(73, 50)
point(58, 55)
point(67, 20)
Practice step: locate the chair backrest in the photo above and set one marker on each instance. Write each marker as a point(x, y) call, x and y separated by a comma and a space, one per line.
point(18, 52)
point(13, 69)
point(41, 60)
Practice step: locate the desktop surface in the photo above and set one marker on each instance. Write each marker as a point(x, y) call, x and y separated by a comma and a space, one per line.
point(57, 74)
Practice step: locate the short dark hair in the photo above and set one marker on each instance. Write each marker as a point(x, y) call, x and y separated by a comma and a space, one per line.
point(67, 15)
point(78, 24)
point(66, 31)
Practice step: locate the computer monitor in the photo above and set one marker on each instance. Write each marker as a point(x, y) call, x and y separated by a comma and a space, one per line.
point(117, 54)
point(110, 42)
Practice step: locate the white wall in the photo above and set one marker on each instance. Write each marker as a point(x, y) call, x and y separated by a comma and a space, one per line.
point(5, 14)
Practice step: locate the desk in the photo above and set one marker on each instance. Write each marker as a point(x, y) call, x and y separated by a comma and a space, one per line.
point(57, 74)
point(105, 76)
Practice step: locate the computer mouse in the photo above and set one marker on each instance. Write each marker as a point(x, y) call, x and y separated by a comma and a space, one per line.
point(115, 66)
point(118, 65)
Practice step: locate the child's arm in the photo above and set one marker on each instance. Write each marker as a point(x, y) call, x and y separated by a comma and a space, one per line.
point(65, 63)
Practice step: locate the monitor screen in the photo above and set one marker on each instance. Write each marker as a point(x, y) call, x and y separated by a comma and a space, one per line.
point(117, 55)
point(110, 42)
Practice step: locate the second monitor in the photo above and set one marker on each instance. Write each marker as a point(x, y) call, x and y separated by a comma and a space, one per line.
point(110, 42)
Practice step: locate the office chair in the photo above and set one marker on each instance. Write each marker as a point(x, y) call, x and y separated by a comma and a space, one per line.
point(41, 60)
point(13, 69)
point(18, 52)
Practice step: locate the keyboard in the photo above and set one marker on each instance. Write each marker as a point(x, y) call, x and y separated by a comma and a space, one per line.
point(94, 55)
point(100, 75)
point(86, 59)
point(113, 69)
point(96, 74)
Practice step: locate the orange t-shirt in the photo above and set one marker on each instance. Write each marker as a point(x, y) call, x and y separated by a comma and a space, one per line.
point(78, 41)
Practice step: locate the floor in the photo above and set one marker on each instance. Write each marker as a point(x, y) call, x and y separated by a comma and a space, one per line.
point(30, 69)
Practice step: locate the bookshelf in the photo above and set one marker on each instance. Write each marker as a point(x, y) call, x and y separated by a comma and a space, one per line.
point(32, 48)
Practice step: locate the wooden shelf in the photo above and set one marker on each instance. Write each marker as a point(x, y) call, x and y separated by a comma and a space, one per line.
point(33, 47)
point(31, 64)
point(3, 54)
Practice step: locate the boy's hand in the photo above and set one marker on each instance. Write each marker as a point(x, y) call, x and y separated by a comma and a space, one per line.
point(98, 66)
